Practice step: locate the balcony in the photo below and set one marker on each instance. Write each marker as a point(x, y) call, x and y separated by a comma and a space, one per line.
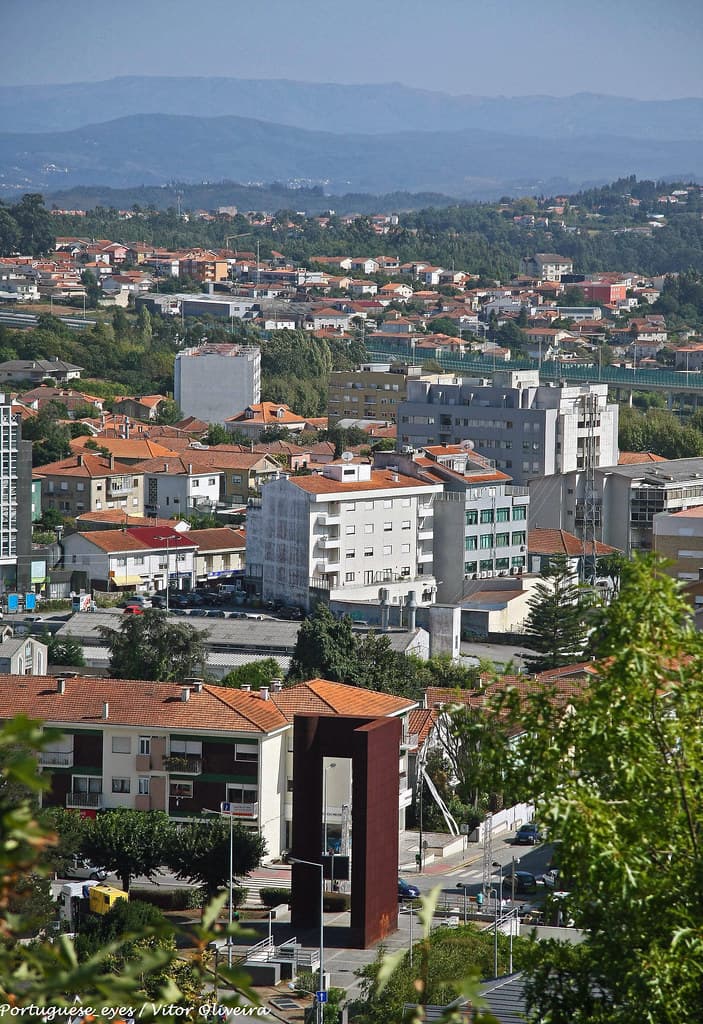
point(326, 541)
point(327, 519)
point(183, 764)
point(56, 759)
point(93, 800)
point(410, 741)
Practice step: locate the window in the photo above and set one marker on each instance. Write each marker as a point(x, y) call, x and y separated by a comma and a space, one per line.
point(470, 543)
point(211, 481)
point(351, 506)
point(350, 553)
point(502, 540)
point(405, 525)
point(145, 744)
point(519, 537)
point(350, 530)
point(387, 549)
point(349, 577)
point(368, 552)
point(187, 747)
point(368, 527)
point(405, 549)
point(121, 744)
point(368, 505)
point(242, 794)
point(405, 502)
point(80, 487)
point(486, 515)
point(517, 561)
point(236, 478)
point(120, 785)
point(486, 540)
point(87, 784)
point(502, 515)
point(471, 517)
point(180, 790)
point(387, 527)
point(405, 571)
point(486, 565)
point(469, 567)
point(502, 563)
point(388, 503)
point(196, 483)
point(519, 512)
point(143, 785)
point(246, 752)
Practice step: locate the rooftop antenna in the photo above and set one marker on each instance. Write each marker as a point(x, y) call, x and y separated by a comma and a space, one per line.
point(347, 456)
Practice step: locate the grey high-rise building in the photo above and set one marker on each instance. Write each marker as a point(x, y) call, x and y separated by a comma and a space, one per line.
point(528, 429)
point(214, 382)
point(15, 502)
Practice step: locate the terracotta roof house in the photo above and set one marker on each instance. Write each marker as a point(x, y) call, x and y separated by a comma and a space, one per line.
point(221, 551)
point(144, 408)
point(256, 417)
point(128, 451)
point(91, 483)
point(185, 747)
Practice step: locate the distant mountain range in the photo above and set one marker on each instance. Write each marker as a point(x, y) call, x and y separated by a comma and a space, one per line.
point(372, 138)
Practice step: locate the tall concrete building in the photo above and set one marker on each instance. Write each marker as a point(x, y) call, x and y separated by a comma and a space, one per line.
point(373, 392)
point(15, 502)
point(529, 429)
point(214, 382)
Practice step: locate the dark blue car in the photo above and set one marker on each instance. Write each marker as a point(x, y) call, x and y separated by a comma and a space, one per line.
point(407, 891)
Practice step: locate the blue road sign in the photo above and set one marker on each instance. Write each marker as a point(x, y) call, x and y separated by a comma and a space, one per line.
point(321, 997)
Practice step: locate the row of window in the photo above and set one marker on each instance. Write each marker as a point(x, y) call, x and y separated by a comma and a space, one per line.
point(494, 540)
point(376, 577)
point(350, 506)
point(494, 565)
point(387, 549)
point(369, 527)
point(123, 745)
point(475, 516)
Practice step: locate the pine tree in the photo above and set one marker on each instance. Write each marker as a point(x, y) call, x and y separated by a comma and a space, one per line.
point(556, 626)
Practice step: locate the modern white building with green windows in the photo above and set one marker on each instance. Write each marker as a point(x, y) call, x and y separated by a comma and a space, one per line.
point(480, 519)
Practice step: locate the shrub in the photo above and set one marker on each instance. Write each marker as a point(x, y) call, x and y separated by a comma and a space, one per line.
point(336, 901)
point(273, 897)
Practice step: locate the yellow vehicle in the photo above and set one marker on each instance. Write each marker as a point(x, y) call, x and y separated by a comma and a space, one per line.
point(103, 898)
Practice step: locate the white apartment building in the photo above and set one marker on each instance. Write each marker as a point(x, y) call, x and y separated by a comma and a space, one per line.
point(213, 382)
point(178, 486)
point(529, 429)
point(349, 529)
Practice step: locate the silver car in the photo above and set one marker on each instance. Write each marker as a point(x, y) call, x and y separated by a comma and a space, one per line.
point(78, 867)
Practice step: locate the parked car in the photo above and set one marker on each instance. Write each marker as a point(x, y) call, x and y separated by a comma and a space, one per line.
point(550, 878)
point(528, 834)
point(80, 868)
point(133, 609)
point(407, 891)
point(525, 881)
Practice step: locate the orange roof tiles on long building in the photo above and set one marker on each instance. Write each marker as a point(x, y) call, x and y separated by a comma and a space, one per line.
point(322, 697)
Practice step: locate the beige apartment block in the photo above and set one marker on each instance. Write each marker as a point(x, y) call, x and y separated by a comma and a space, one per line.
point(678, 537)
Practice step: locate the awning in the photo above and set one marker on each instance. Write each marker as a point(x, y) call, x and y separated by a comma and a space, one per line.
point(125, 581)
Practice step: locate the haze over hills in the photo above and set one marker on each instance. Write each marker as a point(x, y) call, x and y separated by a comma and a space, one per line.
point(371, 138)
point(366, 109)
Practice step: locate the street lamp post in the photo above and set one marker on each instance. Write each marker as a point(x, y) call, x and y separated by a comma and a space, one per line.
point(498, 902)
point(314, 864)
point(225, 811)
point(324, 800)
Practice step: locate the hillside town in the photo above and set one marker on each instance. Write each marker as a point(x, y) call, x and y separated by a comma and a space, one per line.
point(421, 543)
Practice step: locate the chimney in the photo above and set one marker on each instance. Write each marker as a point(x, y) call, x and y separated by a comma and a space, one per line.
point(165, 467)
point(60, 684)
point(246, 687)
point(106, 710)
point(112, 461)
point(185, 693)
point(79, 459)
point(190, 468)
point(700, 574)
point(264, 692)
point(195, 683)
point(276, 685)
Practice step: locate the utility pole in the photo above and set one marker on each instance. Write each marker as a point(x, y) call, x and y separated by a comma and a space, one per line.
point(487, 854)
point(589, 414)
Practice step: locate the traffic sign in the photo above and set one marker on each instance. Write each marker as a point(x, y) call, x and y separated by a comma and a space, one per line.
point(321, 997)
point(226, 807)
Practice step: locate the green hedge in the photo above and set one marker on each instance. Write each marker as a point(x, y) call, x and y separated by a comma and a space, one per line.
point(336, 901)
point(273, 897)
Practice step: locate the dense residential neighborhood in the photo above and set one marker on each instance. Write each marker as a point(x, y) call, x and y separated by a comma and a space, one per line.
point(352, 567)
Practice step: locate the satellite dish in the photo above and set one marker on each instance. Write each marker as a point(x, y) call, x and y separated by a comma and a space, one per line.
point(468, 445)
point(347, 456)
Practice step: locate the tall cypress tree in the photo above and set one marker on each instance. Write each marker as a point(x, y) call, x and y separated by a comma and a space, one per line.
point(556, 626)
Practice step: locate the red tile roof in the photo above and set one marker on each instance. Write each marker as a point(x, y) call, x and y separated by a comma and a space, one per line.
point(635, 458)
point(559, 542)
point(380, 480)
point(322, 697)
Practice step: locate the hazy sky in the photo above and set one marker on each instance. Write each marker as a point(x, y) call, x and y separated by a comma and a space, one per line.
point(647, 49)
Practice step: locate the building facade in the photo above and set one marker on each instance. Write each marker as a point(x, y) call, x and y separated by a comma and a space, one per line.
point(213, 382)
point(372, 392)
point(347, 530)
point(184, 748)
point(91, 483)
point(141, 559)
point(529, 429)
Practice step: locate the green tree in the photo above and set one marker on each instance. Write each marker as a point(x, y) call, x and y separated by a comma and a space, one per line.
point(50, 438)
point(217, 434)
point(255, 673)
point(200, 852)
point(150, 646)
point(325, 647)
point(129, 842)
point(9, 233)
point(63, 650)
point(34, 224)
point(556, 625)
point(169, 412)
point(620, 778)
